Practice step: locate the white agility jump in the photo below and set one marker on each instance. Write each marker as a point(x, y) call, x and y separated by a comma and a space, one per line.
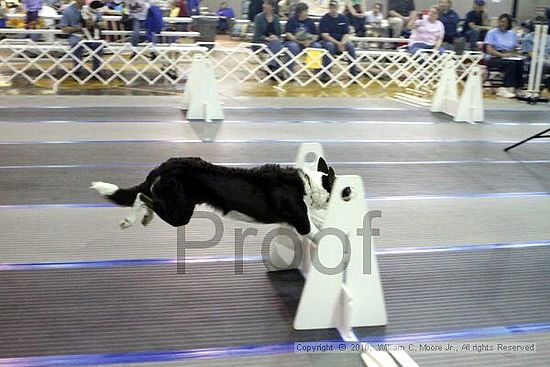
point(342, 284)
point(200, 99)
point(467, 108)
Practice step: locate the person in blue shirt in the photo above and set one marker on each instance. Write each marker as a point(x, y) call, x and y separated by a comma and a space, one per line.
point(501, 44)
point(194, 7)
point(301, 31)
point(226, 14)
point(33, 7)
point(334, 29)
point(476, 24)
point(71, 23)
point(450, 19)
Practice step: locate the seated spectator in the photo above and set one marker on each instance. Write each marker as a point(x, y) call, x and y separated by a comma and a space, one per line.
point(33, 7)
point(267, 29)
point(227, 13)
point(476, 24)
point(501, 44)
point(450, 19)
point(374, 19)
point(71, 23)
point(356, 16)
point(375, 16)
point(301, 31)
point(334, 29)
point(399, 14)
point(427, 31)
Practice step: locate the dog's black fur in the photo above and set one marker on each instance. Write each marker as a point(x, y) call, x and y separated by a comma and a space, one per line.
point(268, 194)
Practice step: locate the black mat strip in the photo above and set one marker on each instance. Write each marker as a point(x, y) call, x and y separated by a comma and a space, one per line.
point(29, 154)
point(287, 114)
point(60, 185)
point(115, 310)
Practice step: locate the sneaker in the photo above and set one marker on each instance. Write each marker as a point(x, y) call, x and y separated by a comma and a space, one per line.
point(505, 93)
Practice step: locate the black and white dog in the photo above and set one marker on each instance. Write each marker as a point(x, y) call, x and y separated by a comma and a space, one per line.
point(265, 194)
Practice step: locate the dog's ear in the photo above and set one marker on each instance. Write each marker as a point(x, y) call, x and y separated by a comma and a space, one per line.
point(328, 180)
point(331, 174)
point(322, 166)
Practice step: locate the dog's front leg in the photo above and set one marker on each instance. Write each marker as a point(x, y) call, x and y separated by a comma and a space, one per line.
point(313, 230)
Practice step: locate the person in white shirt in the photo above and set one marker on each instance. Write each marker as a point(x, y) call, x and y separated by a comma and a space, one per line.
point(375, 15)
point(427, 31)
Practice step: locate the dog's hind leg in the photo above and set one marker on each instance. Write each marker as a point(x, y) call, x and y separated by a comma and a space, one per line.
point(149, 213)
point(131, 219)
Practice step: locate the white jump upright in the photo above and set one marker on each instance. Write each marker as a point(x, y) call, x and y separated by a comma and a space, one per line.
point(200, 98)
point(342, 284)
point(537, 63)
point(470, 107)
point(467, 108)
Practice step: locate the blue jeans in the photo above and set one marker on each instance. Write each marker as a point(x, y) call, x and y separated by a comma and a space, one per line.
point(333, 50)
point(223, 25)
point(274, 47)
point(74, 40)
point(295, 48)
point(472, 37)
point(137, 26)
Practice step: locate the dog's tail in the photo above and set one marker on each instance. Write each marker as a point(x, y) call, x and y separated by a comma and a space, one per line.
point(123, 197)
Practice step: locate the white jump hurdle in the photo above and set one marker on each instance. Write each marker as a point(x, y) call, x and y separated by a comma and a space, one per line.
point(350, 294)
point(200, 98)
point(467, 108)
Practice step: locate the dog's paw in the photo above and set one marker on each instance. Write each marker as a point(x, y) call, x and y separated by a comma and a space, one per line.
point(124, 224)
point(147, 218)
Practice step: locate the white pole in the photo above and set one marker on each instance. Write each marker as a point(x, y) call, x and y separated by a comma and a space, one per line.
point(541, 56)
point(534, 60)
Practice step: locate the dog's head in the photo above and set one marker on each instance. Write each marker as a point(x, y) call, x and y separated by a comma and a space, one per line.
point(319, 184)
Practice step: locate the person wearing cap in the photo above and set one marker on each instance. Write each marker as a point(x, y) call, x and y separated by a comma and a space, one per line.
point(267, 29)
point(334, 29)
point(399, 14)
point(476, 24)
point(450, 20)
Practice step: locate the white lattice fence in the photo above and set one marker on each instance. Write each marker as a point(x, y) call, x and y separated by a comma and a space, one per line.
point(382, 68)
point(244, 63)
point(57, 62)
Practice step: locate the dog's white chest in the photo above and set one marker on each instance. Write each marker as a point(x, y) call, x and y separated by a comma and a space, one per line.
point(235, 215)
